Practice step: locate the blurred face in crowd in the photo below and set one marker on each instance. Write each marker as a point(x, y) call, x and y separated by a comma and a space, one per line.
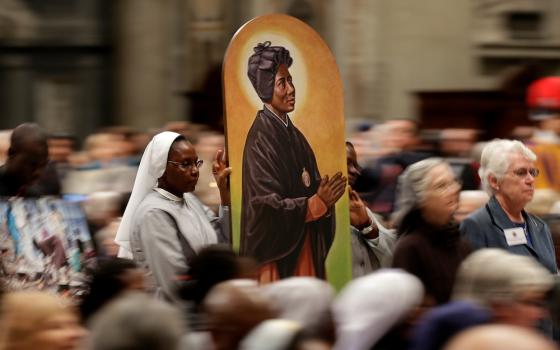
point(60, 149)
point(552, 123)
point(517, 186)
point(108, 146)
point(133, 279)
point(526, 311)
point(401, 134)
point(493, 337)
point(313, 344)
point(38, 320)
point(457, 142)
point(284, 95)
point(441, 197)
point(469, 203)
point(352, 164)
point(181, 172)
point(59, 332)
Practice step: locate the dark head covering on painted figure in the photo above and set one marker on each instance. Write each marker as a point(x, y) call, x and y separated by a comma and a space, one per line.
point(263, 65)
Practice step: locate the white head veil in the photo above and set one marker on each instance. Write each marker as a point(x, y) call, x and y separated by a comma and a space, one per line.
point(306, 300)
point(274, 334)
point(152, 166)
point(369, 306)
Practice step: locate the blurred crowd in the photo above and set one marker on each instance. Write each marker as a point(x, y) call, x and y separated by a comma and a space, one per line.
point(454, 242)
point(99, 172)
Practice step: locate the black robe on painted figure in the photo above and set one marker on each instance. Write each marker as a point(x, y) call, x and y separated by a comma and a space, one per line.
point(274, 197)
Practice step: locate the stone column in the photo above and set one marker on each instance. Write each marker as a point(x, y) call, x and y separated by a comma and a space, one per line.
point(142, 62)
point(352, 30)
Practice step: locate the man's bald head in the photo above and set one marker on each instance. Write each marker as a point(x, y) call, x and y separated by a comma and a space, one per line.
point(233, 308)
point(25, 135)
point(28, 152)
point(500, 337)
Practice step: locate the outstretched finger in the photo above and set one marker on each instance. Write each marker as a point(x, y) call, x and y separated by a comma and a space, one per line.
point(353, 194)
point(219, 156)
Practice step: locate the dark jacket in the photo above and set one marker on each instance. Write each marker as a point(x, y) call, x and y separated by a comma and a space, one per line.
point(48, 184)
point(485, 229)
point(431, 254)
point(10, 186)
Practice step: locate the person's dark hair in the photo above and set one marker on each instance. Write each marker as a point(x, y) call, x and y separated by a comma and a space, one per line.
point(263, 66)
point(105, 285)
point(212, 265)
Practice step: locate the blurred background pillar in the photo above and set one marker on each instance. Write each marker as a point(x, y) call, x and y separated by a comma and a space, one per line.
point(354, 34)
point(143, 72)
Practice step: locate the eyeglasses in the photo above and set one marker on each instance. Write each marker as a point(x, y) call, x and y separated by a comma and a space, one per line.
point(444, 186)
point(522, 172)
point(187, 165)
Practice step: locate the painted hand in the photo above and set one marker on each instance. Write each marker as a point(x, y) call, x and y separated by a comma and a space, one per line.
point(330, 190)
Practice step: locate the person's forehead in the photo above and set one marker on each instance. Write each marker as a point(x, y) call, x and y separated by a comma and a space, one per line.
point(440, 172)
point(182, 149)
point(518, 159)
point(282, 72)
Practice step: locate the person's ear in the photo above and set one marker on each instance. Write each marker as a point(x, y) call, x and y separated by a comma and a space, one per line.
point(493, 181)
point(11, 152)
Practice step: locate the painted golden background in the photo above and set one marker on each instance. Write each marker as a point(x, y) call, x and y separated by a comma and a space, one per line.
point(318, 114)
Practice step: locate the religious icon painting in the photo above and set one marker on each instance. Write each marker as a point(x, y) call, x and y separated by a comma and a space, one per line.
point(285, 141)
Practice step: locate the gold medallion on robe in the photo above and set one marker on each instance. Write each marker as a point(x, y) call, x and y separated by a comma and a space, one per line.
point(305, 178)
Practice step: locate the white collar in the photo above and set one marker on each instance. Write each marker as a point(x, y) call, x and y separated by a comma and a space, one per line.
point(280, 119)
point(168, 195)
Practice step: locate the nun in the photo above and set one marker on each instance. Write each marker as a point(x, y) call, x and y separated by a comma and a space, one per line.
point(164, 225)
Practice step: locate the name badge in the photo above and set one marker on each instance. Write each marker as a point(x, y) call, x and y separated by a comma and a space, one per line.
point(515, 236)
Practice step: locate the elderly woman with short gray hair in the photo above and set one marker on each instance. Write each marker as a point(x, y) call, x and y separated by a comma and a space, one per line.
point(512, 287)
point(507, 171)
point(429, 244)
